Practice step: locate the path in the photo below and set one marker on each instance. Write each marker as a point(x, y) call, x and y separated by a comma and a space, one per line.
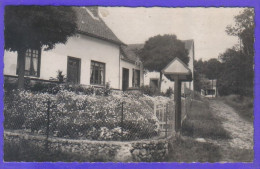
point(240, 130)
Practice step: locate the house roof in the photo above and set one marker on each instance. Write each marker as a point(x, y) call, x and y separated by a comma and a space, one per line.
point(92, 25)
point(129, 51)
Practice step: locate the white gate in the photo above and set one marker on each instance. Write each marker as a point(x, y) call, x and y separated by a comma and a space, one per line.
point(164, 115)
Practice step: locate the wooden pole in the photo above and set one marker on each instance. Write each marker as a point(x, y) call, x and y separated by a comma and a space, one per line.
point(122, 121)
point(177, 100)
point(166, 122)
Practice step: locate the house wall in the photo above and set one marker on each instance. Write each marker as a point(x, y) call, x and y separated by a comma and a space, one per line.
point(190, 85)
point(83, 47)
point(166, 83)
point(130, 66)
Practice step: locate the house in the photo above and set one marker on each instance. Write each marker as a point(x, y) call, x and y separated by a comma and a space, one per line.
point(132, 67)
point(152, 78)
point(94, 56)
point(210, 89)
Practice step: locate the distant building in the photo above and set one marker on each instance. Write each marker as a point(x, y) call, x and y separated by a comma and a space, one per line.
point(152, 78)
point(211, 89)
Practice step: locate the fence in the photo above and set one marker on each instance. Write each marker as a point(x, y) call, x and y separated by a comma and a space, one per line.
point(165, 113)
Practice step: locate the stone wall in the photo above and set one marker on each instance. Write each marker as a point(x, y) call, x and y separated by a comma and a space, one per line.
point(114, 151)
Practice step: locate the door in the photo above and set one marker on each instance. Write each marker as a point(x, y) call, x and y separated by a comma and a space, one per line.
point(73, 70)
point(125, 79)
point(154, 84)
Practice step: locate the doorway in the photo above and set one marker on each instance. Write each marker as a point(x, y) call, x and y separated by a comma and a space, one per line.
point(73, 70)
point(125, 79)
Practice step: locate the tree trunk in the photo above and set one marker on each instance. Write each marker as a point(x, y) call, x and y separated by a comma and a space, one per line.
point(21, 67)
point(160, 82)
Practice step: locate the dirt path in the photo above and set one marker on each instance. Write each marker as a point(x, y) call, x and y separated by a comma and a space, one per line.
point(241, 132)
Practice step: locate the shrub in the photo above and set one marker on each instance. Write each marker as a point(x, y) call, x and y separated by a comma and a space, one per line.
point(81, 116)
point(149, 90)
point(52, 88)
point(169, 92)
point(9, 85)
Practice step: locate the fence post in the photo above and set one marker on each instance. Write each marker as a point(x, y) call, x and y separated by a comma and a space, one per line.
point(166, 120)
point(122, 120)
point(48, 125)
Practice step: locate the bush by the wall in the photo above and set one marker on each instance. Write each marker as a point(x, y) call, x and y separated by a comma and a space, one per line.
point(169, 92)
point(75, 115)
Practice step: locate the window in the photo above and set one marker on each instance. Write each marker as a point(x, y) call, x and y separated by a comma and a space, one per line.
point(136, 78)
point(97, 75)
point(32, 63)
point(210, 92)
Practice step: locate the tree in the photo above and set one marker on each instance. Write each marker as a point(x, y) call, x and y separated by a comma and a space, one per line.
point(204, 70)
point(34, 27)
point(238, 70)
point(237, 76)
point(213, 68)
point(244, 30)
point(159, 50)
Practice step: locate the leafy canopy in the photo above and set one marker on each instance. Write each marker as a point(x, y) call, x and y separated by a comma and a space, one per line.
point(159, 51)
point(244, 29)
point(38, 26)
point(205, 71)
point(237, 75)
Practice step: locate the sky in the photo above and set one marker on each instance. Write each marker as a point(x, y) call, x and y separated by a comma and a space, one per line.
point(206, 26)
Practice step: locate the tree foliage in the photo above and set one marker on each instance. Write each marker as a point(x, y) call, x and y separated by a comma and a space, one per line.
point(204, 71)
point(34, 27)
point(159, 50)
point(38, 26)
point(244, 30)
point(238, 71)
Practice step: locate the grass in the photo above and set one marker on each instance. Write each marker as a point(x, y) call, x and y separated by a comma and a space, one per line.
point(241, 155)
point(201, 122)
point(32, 153)
point(244, 106)
point(189, 150)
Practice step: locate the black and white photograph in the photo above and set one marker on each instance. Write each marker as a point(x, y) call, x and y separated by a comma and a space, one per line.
point(124, 84)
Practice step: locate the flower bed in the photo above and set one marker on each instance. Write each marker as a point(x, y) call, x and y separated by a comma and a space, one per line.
point(81, 116)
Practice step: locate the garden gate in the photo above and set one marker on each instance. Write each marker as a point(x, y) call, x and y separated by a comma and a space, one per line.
point(164, 114)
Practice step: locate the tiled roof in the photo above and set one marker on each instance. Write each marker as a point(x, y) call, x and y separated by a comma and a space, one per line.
point(94, 26)
point(129, 51)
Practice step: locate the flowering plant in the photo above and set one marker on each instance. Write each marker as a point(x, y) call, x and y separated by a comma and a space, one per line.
point(80, 116)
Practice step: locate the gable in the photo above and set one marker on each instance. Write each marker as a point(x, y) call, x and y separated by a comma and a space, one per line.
point(90, 24)
point(176, 67)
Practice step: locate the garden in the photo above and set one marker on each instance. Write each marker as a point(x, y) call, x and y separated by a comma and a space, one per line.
point(79, 112)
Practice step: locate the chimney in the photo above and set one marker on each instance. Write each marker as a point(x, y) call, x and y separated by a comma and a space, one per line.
point(93, 10)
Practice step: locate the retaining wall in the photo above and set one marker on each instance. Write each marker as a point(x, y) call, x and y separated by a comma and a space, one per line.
point(114, 151)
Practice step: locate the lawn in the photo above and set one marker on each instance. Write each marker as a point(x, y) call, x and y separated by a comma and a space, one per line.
point(201, 122)
point(189, 150)
point(31, 153)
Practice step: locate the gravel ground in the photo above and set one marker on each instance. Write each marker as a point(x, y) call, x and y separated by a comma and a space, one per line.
point(240, 146)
